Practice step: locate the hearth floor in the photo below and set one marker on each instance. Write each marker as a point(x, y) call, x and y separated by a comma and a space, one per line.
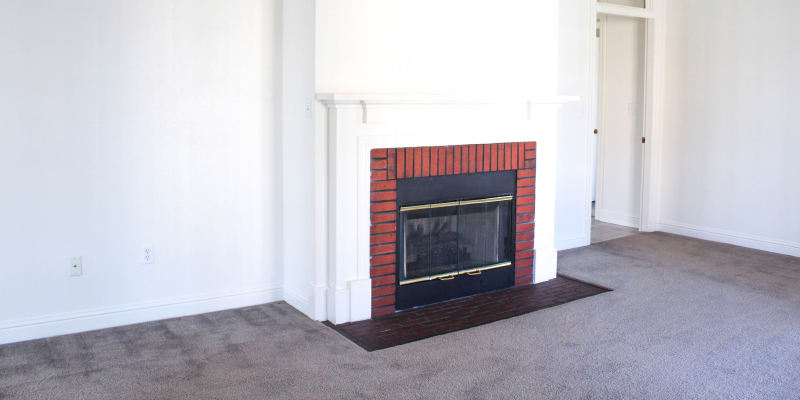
point(454, 315)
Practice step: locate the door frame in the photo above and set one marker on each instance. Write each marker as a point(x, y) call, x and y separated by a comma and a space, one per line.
point(655, 47)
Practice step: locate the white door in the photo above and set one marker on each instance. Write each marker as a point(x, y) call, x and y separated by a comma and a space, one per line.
point(622, 72)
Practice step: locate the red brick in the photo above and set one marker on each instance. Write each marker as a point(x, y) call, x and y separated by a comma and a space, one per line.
point(523, 281)
point(465, 159)
point(383, 301)
point(524, 245)
point(378, 311)
point(382, 291)
point(382, 217)
point(448, 167)
point(526, 182)
point(382, 238)
point(501, 157)
point(377, 153)
point(417, 162)
point(382, 260)
point(526, 263)
point(456, 160)
point(472, 158)
point(523, 200)
point(409, 162)
point(514, 147)
point(434, 170)
point(525, 209)
point(442, 159)
point(377, 164)
point(479, 158)
point(493, 165)
point(530, 164)
point(487, 158)
point(526, 191)
point(521, 156)
point(383, 280)
point(508, 156)
point(530, 145)
point(526, 227)
point(524, 254)
point(383, 185)
point(383, 196)
point(391, 164)
point(385, 228)
point(525, 173)
point(426, 161)
point(530, 154)
point(521, 219)
point(384, 270)
point(401, 163)
point(382, 249)
point(521, 237)
point(381, 207)
point(379, 175)
point(520, 272)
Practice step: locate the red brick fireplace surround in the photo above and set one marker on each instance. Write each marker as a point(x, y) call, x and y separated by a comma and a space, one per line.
point(389, 165)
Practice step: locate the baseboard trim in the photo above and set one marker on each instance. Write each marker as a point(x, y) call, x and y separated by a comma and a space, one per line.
point(107, 317)
point(735, 238)
point(617, 218)
point(299, 301)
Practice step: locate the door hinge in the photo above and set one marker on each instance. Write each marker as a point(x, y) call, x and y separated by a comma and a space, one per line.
point(643, 140)
point(596, 32)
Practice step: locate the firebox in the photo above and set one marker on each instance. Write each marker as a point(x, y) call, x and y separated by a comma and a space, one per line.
point(455, 236)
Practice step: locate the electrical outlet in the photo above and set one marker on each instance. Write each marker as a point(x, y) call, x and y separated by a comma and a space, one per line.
point(148, 255)
point(75, 266)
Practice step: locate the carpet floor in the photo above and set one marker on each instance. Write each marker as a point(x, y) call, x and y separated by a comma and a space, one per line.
point(687, 319)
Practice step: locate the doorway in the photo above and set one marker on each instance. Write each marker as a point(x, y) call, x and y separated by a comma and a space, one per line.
point(618, 140)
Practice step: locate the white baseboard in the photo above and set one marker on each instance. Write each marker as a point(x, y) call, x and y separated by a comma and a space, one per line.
point(107, 317)
point(617, 218)
point(735, 238)
point(299, 301)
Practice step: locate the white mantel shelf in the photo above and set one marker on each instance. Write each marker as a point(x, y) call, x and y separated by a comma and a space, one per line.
point(355, 123)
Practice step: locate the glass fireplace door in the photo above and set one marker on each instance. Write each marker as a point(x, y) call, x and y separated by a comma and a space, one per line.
point(453, 238)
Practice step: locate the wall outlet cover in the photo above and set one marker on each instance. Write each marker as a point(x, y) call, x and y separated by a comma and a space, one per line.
point(148, 254)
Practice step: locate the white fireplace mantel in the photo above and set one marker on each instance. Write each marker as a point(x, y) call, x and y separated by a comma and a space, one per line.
point(357, 123)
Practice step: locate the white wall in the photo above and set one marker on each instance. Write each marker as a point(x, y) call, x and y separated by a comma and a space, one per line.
point(299, 207)
point(622, 109)
point(478, 46)
point(132, 122)
point(730, 165)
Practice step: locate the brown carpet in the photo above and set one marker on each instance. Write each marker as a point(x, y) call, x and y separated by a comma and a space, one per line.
point(687, 319)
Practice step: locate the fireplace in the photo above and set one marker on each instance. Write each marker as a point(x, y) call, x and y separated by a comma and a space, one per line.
point(454, 236)
point(450, 221)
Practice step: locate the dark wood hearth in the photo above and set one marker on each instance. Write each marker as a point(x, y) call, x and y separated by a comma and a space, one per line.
point(454, 315)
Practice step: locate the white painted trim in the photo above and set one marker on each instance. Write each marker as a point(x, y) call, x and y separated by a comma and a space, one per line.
point(431, 99)
point(654, 103)
point(625, 11)
point(730, 237)
point(106, 317)
point(612, 217)
point(355, 126)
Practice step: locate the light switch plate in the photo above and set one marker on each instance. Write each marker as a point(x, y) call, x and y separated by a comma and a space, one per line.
point(75, 266)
